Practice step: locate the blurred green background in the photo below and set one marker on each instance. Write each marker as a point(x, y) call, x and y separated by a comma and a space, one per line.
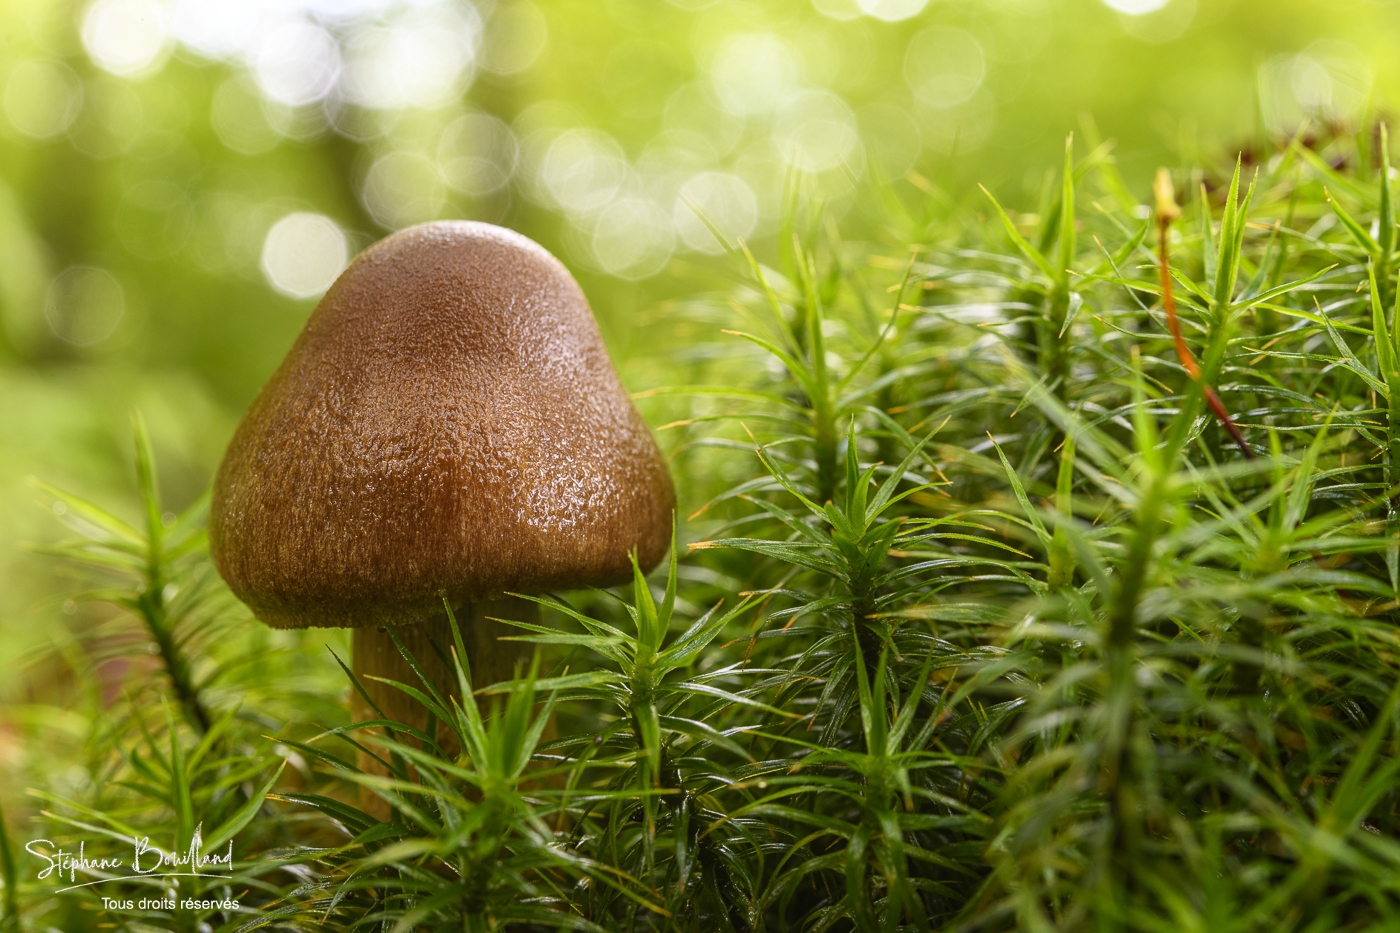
point(181, 179)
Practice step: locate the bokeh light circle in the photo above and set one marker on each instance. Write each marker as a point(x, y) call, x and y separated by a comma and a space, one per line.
point(725, 200)
point(403, 188)
point(693, 110)
point(944, 66)
point(516, 36)
point(753, 73)
point(583, 169)
point(84, 305)
point(632, 238)
point(1166, 23)
point(42, 98)
point(215, 28)
point(892, 11)
point(477, 154)
point(297, 63)
point(238, 117)
point(816, 132)
point(419, 61)
point(1136, 7)
point(1329, 81)
point(126, 37)
point(303, 253)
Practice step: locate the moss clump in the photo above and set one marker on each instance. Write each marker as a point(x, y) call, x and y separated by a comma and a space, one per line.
point(989, 619)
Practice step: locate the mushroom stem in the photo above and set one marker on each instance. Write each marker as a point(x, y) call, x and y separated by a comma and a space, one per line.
point(430, 642)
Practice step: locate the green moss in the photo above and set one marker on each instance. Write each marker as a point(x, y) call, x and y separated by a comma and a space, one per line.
point(984, 621)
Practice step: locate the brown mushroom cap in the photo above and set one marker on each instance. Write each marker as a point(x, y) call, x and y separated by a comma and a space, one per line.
point(448, 421)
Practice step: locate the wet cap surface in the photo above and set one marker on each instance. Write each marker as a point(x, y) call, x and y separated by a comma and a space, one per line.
point(448, 420)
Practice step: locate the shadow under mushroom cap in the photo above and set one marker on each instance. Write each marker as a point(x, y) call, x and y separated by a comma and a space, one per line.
point(448, 420)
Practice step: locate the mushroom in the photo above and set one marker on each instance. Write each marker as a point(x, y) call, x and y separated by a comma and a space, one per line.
point(447, 424)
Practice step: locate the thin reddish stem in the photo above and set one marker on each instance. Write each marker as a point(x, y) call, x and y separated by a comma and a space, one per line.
point(1183, 352)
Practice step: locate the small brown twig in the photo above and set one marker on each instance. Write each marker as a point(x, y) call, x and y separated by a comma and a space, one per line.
point(1167, 211)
